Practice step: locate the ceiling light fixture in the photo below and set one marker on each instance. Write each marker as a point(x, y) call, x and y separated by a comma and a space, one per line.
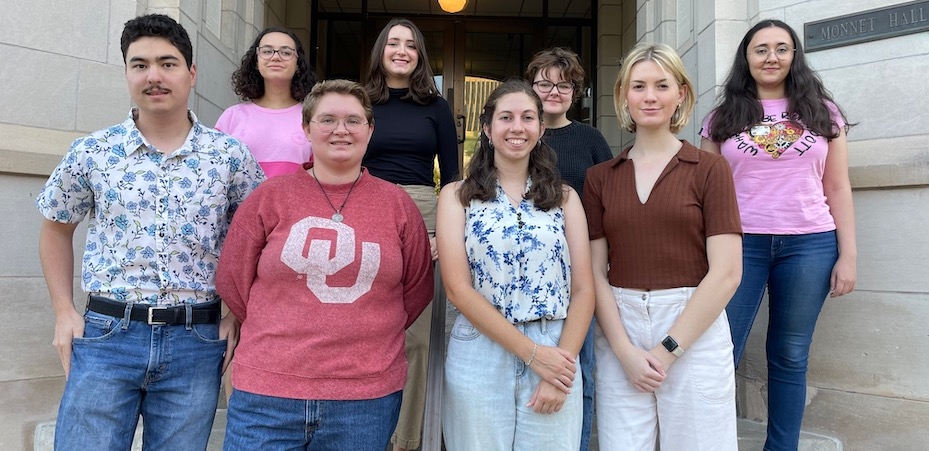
point(452, 6)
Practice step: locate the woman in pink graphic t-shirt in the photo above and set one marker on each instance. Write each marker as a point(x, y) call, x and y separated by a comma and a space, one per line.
point(785, 140)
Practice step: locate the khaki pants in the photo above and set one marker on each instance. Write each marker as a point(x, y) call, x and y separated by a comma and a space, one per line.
point(408, 434)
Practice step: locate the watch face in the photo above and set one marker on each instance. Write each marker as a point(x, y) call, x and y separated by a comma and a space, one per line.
point(669, 344)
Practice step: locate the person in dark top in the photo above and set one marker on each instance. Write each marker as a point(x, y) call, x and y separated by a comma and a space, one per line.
point(558, 78)
point(414, 125)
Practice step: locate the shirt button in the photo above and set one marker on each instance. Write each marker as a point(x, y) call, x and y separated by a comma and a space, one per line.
point(644, 297)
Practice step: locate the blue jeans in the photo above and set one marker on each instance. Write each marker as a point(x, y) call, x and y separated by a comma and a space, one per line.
point(487, 389)
point(588, 367)
point(121, 369)
point(259, 422)
point(796, 270)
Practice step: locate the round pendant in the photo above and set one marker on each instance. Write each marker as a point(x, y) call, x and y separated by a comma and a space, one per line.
point(337, 217)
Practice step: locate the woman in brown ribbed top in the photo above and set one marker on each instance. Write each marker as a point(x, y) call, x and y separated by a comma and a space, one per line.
point(666, 249)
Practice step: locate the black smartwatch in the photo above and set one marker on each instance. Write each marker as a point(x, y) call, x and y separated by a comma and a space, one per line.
point(671, 345)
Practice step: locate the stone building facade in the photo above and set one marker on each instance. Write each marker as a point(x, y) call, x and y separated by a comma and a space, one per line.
point(62, 77)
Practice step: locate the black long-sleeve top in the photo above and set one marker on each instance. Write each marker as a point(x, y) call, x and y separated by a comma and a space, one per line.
point(407, 138)
point(578, 147)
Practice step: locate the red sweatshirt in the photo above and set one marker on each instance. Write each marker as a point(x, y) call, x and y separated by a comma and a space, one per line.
point(324, 305)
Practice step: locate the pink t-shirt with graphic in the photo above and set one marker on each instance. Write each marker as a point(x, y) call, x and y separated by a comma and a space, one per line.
point(778, 170)
point(275, 137)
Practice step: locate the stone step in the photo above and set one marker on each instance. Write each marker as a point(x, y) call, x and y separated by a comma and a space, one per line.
point(751, 437)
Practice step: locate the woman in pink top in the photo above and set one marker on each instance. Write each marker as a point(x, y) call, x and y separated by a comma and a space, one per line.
point(273, 79)
point(785, 139)
point(326, 267)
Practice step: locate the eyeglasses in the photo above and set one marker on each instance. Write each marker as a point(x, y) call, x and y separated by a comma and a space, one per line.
point(267, 52)
point(781, 52)
point(353, 124)
point(547, 86)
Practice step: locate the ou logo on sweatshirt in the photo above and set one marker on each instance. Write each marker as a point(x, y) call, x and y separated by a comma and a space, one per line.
point(317, 265)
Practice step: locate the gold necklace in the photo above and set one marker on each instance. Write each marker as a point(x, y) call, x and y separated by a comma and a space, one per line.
point(337, 216)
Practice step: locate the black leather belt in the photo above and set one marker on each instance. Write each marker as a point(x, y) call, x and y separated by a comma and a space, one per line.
point(207, 313)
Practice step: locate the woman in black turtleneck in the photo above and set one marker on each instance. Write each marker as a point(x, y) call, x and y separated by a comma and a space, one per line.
point(413, 125)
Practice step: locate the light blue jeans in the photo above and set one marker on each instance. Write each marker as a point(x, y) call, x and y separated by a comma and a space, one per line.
point(487, 389)
point(260, 422)
point(121, 369)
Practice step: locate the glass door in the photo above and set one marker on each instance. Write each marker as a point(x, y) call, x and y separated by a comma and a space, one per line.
point(491, 53)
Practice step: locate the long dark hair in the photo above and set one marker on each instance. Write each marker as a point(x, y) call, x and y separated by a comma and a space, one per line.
point(807, 98)
point(248, 83)
point(422, 85)
point(547, 190)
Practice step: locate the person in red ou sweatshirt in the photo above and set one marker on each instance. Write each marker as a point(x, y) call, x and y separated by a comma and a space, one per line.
point(326, 268)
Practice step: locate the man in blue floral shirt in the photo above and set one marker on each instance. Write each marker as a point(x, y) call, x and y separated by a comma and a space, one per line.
point(160, 190)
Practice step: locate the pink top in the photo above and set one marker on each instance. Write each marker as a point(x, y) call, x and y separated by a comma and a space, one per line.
point(778, 172)
point(324, 305)
point(275, 137)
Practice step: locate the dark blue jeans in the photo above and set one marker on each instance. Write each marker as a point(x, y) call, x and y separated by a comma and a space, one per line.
point(259, 422)
point(796, 270)
point(588, 366)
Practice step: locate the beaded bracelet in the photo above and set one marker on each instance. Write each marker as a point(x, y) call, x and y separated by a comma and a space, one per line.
point(535, 347)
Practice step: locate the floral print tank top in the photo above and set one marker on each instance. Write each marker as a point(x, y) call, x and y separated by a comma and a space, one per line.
point(519, 258)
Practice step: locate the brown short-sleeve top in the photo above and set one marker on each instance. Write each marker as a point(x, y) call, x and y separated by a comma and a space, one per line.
point(661, 243)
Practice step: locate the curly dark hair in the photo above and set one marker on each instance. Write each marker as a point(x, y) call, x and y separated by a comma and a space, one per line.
point(547, 190)
point(422, 84)
point(807, 98)
point(160, 26)
point(248, 83)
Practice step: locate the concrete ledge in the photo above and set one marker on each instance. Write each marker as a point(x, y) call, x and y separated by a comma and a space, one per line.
point(32, 150)
point(890, 162)
point(890, 175)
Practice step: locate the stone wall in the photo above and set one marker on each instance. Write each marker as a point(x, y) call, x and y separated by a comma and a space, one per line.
point(64, 77)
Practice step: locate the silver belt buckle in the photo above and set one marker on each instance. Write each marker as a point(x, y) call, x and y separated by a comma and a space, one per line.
point(155, 323)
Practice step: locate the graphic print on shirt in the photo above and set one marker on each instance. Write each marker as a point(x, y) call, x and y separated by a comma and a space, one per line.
point(775, 138)
point(317, 265)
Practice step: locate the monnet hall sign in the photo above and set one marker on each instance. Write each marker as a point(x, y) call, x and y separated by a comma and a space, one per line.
point(880, 23)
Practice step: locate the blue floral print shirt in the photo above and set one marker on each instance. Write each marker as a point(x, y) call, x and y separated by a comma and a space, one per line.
point(157, 221)
point(519, 258)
